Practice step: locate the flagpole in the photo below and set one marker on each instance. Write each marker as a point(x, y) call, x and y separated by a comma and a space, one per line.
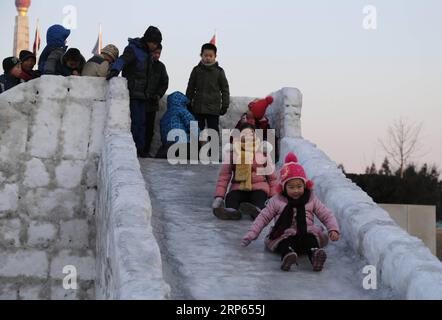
point(37, 41)
point(100, 42)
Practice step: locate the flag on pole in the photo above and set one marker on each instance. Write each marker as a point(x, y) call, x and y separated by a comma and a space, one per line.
point(213, 41)
point(37, 41)
point(99, 43)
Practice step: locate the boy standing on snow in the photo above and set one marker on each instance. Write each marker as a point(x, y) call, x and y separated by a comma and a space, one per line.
point(156, 88)
point(136, 64)
point(208, 89)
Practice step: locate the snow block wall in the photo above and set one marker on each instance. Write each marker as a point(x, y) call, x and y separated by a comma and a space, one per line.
point(403, 262)
point(128, 257)
point(50, 142)
point(55, 135)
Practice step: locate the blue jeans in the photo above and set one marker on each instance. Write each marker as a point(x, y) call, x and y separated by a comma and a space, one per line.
point(138, 118)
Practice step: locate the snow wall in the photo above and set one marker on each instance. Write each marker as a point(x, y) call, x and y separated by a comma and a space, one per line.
point(55, 133)
point(402, 262)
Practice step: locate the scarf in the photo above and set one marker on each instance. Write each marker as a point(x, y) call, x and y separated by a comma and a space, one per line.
point(243, 170)
point(285, 220)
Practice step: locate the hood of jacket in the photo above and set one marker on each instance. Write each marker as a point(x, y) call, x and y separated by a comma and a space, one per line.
point(57, 35)
point(177, 99)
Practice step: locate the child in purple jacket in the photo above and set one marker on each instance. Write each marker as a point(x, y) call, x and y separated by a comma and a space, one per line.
point(293, 210)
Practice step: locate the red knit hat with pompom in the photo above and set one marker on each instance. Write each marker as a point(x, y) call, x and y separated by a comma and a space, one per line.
point(259, 107)
point(293, 170)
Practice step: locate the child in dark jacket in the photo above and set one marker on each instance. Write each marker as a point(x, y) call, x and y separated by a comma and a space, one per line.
point(56, 37)
point(28, 61)
point(156, 88)
point(136, 63)
point(208, 89)
point(293, 209)
point(11, 77)
point(70, 64)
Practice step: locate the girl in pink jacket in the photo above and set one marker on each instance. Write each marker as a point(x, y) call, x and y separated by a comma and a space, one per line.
point(251, 176)
point(293, 211)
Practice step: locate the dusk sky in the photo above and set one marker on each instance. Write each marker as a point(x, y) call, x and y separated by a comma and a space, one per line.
point(355, 82)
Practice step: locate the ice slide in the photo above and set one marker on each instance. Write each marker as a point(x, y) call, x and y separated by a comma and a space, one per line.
point(72, 192)
point(203, 259)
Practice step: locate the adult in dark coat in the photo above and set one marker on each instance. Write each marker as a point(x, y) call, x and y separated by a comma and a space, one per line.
point(136, 64)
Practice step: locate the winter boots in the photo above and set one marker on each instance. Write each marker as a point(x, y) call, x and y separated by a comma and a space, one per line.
point(318, 258)
point(249, 209)
point(289, 259)
point(227, 213)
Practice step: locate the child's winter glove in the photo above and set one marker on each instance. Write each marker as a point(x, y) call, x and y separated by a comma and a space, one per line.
point(334, 236)
point(218, 202)
point(250, 236)
point(112, 74)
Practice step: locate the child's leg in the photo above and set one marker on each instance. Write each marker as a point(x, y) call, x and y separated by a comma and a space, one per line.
point(258, 198)
point(256, 202)
point(138, 126)
point(213, 122)
point(201, 121)
point(150, 126)
point(235, 198)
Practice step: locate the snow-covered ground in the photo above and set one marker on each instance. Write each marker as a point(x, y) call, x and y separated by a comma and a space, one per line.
point(203, 259)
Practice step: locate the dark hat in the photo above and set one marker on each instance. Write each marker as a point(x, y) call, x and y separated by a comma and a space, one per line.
point(9, 63)
point(25, 55)
point(153, 34)
point(72, 54)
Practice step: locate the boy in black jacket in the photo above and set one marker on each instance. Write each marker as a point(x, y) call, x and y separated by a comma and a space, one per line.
point(208, 89)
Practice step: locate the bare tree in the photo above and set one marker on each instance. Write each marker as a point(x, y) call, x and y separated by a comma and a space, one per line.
point(402, 143)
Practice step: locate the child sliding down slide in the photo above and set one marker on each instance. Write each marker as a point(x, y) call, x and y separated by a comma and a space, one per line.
point(293, 210)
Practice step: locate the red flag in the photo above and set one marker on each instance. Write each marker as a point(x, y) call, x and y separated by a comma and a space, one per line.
point(213, 41)
point(37, 41)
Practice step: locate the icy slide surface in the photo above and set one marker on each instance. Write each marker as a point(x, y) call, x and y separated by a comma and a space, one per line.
point(203, 259)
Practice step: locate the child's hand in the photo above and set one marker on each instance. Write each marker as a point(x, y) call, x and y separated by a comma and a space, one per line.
point(334, 236)
point(245, 242)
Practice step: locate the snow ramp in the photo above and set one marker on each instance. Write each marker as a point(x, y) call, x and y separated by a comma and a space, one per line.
point(74, 194)
point(202, 257)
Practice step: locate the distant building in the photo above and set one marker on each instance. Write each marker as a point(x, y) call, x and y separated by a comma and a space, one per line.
point(21, 30)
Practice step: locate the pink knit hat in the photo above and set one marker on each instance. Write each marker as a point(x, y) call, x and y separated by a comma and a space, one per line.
point(293, 170)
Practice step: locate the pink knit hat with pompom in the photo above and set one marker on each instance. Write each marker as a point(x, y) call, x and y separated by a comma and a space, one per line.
point(293, 170)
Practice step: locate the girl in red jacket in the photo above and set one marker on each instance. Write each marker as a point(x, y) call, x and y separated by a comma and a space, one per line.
point(250, 187)
point(293, 211)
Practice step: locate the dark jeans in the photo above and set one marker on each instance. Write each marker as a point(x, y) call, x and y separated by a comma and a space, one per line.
point(150, 127)
point(300, 244)
point(163, 151)
point(212, 121)
point(138, 126)
point(235, 198)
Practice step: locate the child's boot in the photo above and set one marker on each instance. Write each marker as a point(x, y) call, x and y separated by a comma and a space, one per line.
point(227, 214)
point(289, 259)
point(249, 209)
point(318, 258)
